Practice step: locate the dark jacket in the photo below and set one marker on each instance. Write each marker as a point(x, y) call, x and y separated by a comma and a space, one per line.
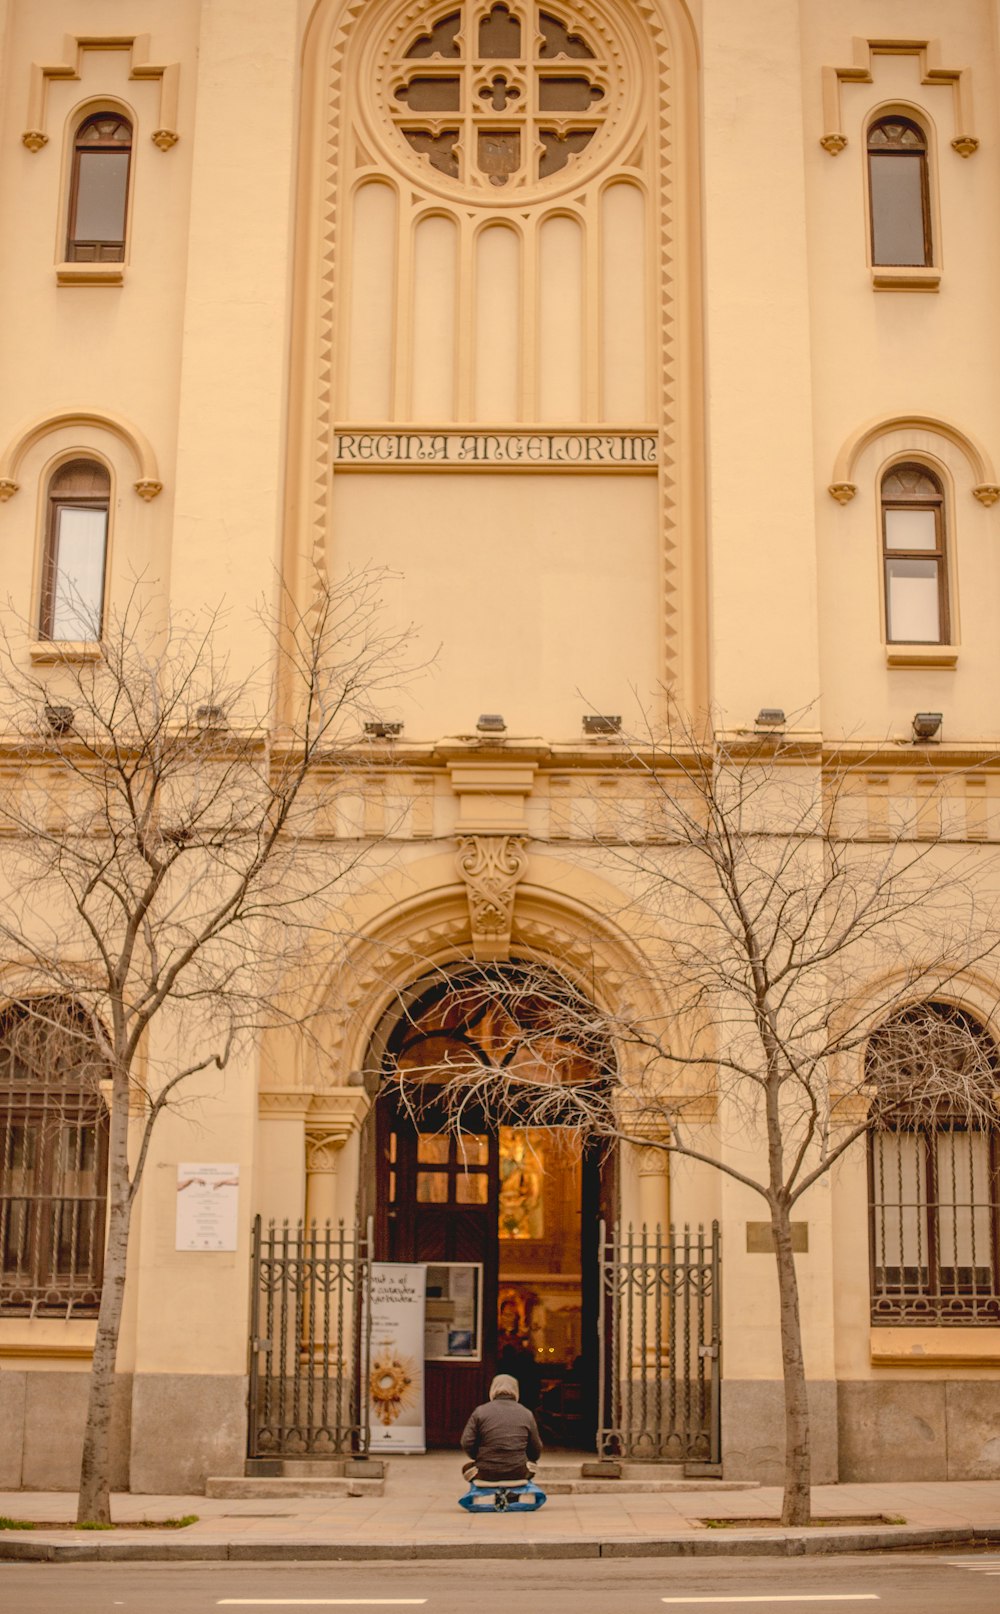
point(502, 1436)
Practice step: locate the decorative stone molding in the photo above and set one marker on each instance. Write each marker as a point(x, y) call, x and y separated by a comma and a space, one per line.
point(492, 795)
point(148, 485)
point(322, 1149)
point(843, 492)
point(491, 866)
point(981, 465)
point(861, 71)
point(71, 67)
point(987, 493)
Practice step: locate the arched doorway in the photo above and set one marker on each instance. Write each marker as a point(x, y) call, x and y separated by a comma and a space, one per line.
point(505, 1215)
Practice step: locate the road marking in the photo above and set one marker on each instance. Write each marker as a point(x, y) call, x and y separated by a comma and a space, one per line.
point(319, 1602)
point(772, 1597)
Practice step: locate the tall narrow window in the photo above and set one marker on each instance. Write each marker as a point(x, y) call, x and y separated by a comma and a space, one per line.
point(899, 194)
point(913, 544)
point(53, 1160)
point(98, 203)
point(933, 1169)
point(75, 552)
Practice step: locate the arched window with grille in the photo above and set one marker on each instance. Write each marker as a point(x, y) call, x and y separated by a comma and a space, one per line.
point(98, 197)
point(53, 1160)
point(933, 1169)
point(899, 193)
point(76, 545)
point(914, 556)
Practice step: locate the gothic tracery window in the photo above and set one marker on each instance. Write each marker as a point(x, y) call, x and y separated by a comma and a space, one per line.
point(499, 98)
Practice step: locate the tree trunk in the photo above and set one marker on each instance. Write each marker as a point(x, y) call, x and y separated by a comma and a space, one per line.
point(796, 1502)
point(94, 1504)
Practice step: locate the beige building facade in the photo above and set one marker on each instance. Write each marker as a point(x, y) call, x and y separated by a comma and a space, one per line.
point(645, 345)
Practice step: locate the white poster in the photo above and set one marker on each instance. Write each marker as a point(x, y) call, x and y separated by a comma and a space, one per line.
point(396, 1373)
point(207, 1207)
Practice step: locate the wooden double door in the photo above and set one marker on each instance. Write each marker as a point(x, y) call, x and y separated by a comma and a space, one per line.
point(507, 1222)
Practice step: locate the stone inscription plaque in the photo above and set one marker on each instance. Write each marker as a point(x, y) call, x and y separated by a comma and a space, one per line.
point(360, 450)
point(760, 1239)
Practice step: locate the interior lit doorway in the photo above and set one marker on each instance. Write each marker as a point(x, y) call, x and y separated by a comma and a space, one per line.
point(505, 1216)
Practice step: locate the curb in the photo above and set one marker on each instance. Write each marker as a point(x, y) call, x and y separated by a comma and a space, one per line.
point(735, 1544)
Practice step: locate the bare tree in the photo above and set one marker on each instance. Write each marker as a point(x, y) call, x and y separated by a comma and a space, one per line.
point(794, 952)
point(168, 845)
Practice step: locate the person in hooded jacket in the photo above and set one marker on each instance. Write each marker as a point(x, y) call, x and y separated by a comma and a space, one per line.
point(501, 1437)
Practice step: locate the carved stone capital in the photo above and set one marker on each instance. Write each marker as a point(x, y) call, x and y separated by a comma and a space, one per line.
point(491, 866)
point(987, 493)
point(843, 492)
point(7, 489)
point(833, 143)
point(323, 1145)
point(165, 138)
point(965, 145)
point(34, 139)
point(147, 488)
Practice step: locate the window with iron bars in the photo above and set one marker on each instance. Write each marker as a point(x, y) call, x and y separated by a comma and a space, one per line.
point(53, 1161)
point(933, 1171)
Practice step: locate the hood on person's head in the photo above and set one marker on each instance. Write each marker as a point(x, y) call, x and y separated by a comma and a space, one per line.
point(504, 1385)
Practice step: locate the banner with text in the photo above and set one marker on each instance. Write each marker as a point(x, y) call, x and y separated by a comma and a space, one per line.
point(395, 1374)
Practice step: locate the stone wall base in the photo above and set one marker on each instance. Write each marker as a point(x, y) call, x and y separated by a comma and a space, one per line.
point(169, 1431)
point(186, 1426)
point(942, 1429)
point(753, 1430)
point(42, 1416)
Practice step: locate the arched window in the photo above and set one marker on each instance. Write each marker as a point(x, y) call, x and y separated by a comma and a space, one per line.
point(899, 193)
point(98, 198)
point(914, 552)
point(933, 1168)
point(76, 543)
point(53, 1159)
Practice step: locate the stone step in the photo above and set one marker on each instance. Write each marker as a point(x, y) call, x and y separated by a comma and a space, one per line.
point(238, 1487)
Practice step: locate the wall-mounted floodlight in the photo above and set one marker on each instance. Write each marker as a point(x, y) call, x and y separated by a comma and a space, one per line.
point(770, 717)
point(601, 723)
point(380, 729)
point(927, 725)
point(491, 723)
point(59, 719)
point(210, 717)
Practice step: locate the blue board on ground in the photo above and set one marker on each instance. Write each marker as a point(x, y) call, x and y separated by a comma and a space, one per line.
point(511, 1496)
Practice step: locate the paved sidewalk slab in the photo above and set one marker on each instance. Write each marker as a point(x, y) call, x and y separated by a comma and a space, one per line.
point(418, 1517)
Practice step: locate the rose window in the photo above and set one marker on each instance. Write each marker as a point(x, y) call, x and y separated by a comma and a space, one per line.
point(499, 98)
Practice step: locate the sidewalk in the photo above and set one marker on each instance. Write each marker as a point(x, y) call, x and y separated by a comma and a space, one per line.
point(418, 1517)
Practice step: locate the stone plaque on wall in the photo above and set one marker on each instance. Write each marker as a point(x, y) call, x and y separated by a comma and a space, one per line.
point(760, 1238)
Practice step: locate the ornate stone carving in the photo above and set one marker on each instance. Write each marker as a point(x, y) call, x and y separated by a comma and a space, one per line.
point(147, 488)
point(862, 69)
point(323, 1147)
point(7, 489)
point(491, 866)
point(987, 493)
point(34, 139)
point(965, 145)
point(166, 74)
point(843, 492)
point(833, 143)
point(165, 138)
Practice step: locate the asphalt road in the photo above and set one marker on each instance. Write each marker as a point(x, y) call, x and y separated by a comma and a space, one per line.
point(928, 1583)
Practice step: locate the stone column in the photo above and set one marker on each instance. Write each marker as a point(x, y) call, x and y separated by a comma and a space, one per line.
point(331, 1121)
point(653, 1172)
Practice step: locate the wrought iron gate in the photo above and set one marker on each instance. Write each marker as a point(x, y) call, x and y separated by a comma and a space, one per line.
point(659, 1329)
point(310, 1331)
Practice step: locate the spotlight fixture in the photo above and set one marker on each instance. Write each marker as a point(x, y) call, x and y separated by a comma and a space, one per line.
point(59, 719)
point(601, 723)
point(927, 725)
point(491, 723)
point(381, 729)
point(770, 717)
point(210, 717)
